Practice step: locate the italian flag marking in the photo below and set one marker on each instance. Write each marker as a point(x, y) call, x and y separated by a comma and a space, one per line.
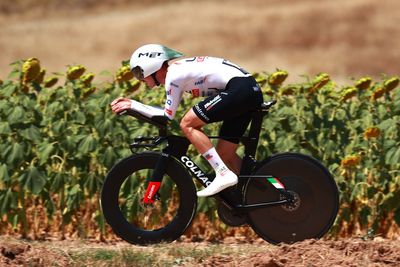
point(276, 183)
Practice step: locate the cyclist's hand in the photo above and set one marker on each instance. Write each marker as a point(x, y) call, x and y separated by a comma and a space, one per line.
point(120, 104)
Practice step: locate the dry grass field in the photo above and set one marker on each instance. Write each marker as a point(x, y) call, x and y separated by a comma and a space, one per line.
point(344, 38)
point(349, 252)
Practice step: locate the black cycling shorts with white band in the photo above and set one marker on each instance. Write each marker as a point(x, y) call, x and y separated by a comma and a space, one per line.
point(233, 106)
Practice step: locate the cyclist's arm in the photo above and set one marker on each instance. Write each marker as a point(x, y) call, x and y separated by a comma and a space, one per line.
point(174, 96)
point(146, 110)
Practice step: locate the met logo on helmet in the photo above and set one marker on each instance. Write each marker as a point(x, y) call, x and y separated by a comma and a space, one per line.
point(150, 54)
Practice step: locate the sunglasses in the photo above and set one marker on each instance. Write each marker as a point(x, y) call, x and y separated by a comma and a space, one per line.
point(137, 73)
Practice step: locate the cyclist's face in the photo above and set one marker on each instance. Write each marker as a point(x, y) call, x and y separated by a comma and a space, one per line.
point(149, 81)
point(160, 76)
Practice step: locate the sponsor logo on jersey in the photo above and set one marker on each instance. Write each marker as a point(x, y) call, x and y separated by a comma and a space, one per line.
point(199, 82)
point(168, 111)
point(200, 59)
point(210, 104)
point(196, 92)
point(174, 85)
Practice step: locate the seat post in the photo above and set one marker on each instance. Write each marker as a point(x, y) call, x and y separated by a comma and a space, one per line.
point(251, 142)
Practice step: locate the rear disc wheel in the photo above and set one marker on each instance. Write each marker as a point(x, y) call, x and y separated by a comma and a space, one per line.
point(315, 199)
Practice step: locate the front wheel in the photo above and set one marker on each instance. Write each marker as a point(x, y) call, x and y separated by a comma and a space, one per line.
point(162, 221)
point(315, 194)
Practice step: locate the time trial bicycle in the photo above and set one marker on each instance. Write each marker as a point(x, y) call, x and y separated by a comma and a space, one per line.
point(150, 196)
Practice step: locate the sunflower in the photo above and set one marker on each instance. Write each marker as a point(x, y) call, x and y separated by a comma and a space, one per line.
point(278, 77)
point(75, 72)
point(350, 161)
point(30, 69)
point(372, 132)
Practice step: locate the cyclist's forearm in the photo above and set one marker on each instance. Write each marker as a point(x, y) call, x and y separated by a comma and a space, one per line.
point(148, 111)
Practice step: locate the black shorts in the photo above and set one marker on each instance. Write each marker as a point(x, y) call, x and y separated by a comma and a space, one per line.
point(233, 106)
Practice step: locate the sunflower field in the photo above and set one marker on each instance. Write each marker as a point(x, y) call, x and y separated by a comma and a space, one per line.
point(60, 138)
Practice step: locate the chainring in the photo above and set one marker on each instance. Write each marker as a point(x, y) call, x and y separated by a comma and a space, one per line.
point(230, 217)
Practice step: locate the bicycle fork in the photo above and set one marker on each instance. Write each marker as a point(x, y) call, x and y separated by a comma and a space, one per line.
point(155, 180)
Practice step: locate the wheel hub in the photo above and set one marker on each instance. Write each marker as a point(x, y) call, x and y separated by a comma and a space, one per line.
point(294, 202)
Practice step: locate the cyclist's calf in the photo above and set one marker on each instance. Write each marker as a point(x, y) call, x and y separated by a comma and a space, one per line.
point(227, 151)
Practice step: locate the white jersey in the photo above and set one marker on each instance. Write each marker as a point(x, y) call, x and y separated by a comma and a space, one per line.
point(200, 76)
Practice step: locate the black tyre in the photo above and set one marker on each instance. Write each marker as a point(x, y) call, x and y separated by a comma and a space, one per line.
point(316, 199)
point(142, 224)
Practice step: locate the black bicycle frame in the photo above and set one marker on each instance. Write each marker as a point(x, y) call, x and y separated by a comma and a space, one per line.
point(177, 147)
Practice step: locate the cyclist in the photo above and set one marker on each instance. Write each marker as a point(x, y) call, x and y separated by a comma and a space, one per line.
point(230, 92)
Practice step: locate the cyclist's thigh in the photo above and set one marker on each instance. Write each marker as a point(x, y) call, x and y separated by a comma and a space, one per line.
point(242, 95)
point(232, 129)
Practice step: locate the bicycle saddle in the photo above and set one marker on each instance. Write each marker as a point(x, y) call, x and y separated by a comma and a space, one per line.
point(265, 106)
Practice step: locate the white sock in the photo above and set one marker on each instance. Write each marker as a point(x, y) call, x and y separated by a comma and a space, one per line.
point(215, 161)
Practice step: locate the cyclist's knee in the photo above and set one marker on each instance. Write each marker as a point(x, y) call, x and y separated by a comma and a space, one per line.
point(190, 122)
point(186, 125)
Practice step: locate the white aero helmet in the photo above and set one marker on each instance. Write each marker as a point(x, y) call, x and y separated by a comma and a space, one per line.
point(148, 59)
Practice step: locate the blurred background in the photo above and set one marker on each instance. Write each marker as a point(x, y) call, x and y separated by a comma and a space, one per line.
point(343, 38)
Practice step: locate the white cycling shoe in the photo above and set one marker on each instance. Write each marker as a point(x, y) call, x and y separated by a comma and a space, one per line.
point(220, 183)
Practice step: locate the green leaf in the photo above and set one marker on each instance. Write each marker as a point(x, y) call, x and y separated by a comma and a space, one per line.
point(32, 134)
point(45, 150)
point(382, 112)
point(92, 183)
point(76, 189)
point(104, 126)
point(17, 115)
point(58, 182)
point(4, 177)
point(393, 156)
point(71, 142)
point(8, 201)
point(59, 126)
point(340, 114)
point(109, 157)
point(74, 197)
point(16, 155)
point(8, 90)
point(5, 128)
point(88, 144)
point(33, 180)
point(4, 105)
point(49, 204)
point(54, 108)
point(364, 214)
point(80, 117)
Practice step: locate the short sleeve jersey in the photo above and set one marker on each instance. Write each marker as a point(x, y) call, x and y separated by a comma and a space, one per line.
point(199, 76)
